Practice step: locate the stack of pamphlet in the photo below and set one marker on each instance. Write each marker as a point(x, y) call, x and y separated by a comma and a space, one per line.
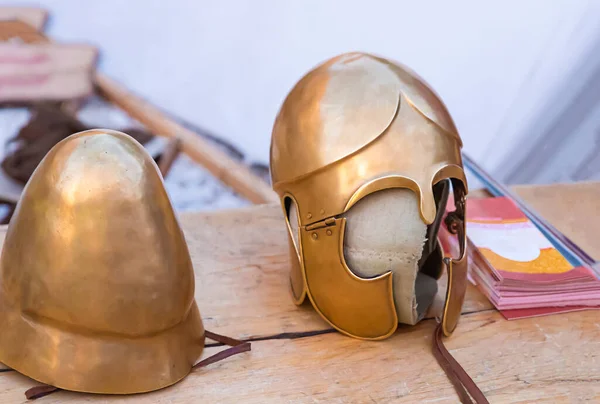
point(517, 266)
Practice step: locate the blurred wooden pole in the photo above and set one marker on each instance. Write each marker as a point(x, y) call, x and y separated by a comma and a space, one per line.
point(229, 171)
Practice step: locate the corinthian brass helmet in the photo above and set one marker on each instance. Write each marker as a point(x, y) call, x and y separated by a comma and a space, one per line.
point(364, 141)
point(97, 285)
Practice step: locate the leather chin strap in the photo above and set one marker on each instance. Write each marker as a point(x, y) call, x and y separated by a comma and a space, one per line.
point(431, 267)
point(237, 347)
point(457, 285)
point(463, 384)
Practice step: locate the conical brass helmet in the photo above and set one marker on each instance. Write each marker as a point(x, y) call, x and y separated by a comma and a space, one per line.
point(355, 125)
point(97, 285)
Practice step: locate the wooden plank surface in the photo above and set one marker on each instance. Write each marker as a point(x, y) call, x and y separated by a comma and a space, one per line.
point(242, 284)
point(241, 265)
point(549, 359)
point(574, 209)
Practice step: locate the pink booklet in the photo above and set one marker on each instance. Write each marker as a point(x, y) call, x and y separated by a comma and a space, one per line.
point(517, 267)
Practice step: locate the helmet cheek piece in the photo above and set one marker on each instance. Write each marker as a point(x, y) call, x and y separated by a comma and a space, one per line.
point(456, 267)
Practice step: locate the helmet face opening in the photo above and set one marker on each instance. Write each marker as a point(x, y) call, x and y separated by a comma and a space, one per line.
point(385, 233)
point(362, 155)
point(297, 278)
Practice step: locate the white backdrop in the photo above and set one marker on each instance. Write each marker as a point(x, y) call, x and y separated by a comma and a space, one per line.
point(227, 65)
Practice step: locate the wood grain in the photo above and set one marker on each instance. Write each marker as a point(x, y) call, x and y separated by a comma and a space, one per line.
point(549, 359)
point(241, 267)
point(574, 209)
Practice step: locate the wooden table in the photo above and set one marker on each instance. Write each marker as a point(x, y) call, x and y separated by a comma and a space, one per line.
point(241, 264)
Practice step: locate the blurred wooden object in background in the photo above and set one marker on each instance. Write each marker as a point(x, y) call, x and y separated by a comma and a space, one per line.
point(232, 173)
point(45, 72)
point(33, 16)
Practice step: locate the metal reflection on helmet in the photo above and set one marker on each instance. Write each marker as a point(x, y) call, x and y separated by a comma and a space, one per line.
point(355, 125)
point(97, 284)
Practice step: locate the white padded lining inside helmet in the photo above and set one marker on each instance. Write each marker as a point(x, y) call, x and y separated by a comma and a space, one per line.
point(384, 232)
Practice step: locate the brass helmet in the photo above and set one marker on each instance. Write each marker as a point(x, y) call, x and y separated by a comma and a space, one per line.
point(353, 126)
point(96, 282)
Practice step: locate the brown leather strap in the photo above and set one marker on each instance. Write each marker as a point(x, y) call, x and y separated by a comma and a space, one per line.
point(40, 391)
point(48, 125)
point(457, 266)
point(463, 384)
point(237, 347)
